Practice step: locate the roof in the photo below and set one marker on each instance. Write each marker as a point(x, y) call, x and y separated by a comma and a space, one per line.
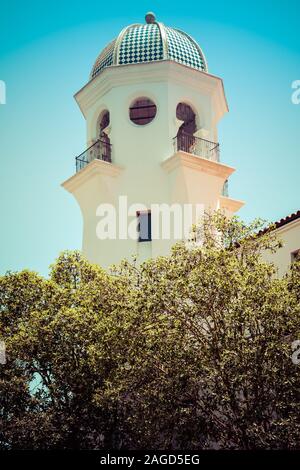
point(280, 223)
point(286, 220)
point(153, 41)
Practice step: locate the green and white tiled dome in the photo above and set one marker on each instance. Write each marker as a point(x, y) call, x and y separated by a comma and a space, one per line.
point(140, 43)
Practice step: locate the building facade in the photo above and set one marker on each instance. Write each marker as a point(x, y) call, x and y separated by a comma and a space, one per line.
point(152, 111)
point(288, 232)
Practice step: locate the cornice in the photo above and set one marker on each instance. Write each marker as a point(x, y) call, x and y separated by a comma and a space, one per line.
point(200, 164)
point(232, 205)
point(159, 71)
point(94, 168)
point(288, 226)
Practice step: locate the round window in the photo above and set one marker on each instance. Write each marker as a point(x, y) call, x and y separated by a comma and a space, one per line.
point(142, 111)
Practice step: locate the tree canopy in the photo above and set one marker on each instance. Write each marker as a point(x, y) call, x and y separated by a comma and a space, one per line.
point(188, 351)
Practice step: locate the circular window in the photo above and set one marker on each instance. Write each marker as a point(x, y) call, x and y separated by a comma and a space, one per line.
point(142, 111)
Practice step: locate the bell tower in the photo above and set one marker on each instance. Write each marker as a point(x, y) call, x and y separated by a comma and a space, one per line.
point(151, 111)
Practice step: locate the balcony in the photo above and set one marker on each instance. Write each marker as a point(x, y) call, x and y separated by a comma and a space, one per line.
point(100, 150)
point(196, 146)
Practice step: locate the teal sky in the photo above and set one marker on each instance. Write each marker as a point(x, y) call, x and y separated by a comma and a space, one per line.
point(46, 52)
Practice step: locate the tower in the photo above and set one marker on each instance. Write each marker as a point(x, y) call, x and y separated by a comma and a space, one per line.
point(151, 111)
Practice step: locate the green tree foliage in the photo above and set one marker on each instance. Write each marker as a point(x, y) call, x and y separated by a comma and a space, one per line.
point(189, 351)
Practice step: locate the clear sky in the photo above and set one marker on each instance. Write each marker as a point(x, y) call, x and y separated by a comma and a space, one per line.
point(47, 49)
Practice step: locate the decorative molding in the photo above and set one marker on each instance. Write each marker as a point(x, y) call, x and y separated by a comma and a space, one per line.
point(164, 40)
point(185, 159)
point(94, 168)
point(232, 205)
point(158, 71)
point(118, 42)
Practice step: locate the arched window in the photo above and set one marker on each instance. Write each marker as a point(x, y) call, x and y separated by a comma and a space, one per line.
point(142, 111)
point(105, 145)
point(104, 122)
point(185, 137)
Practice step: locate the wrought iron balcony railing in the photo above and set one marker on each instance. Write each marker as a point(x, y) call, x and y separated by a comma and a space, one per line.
point(100, 150)
point(197, 146)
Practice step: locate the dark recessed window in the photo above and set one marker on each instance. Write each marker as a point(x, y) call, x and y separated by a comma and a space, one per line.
point(142, 111)
point(295, 256)
point(185, 136)
point(144, 226)
point(104, 143)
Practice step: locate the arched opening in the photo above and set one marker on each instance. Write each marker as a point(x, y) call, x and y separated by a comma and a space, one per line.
point(105, 145)
point(185, 138)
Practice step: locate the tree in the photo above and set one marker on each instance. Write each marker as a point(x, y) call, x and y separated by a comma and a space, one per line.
point(188, 351)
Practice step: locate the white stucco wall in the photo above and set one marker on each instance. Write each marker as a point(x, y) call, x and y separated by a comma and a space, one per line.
point(144, 167)
point(289, 234)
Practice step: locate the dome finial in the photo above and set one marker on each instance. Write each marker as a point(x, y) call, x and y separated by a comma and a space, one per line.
point(150, 17)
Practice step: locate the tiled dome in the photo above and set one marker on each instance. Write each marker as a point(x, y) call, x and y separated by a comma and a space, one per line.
point(140, 43)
